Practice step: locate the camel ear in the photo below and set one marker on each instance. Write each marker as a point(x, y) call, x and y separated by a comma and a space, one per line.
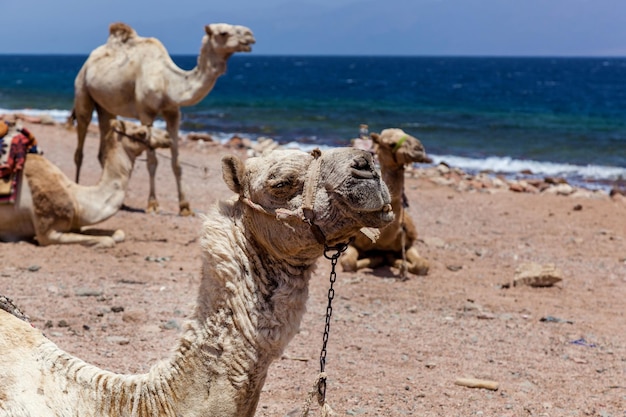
point(375, 137)
point(208, 30)
point(142, 135)
point(116, 124)
point(232, 172)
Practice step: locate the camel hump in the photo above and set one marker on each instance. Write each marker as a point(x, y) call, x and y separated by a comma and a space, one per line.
point(121, 32)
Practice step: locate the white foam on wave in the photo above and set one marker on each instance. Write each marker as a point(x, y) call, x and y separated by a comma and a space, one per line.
point(511, 166)
point(60, 116)
point(56, 114)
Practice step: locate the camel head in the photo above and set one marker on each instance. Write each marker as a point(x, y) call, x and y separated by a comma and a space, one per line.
point(228, 39)
point(297, 202)
point(396, 148)
point(137, 138)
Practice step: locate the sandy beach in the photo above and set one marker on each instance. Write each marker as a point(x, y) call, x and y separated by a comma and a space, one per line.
point(396, 347)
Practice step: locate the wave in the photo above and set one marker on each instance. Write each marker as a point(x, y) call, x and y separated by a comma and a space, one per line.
point(585, 175)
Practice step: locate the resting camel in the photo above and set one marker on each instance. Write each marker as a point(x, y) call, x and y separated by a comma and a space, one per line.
point(53, 209)
point(134, 77)
point(394, 149)
point(258, 252)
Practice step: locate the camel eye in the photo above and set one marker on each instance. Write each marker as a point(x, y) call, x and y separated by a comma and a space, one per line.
point(281, 184)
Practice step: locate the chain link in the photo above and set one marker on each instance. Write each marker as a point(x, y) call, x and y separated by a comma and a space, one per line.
point(339, 249)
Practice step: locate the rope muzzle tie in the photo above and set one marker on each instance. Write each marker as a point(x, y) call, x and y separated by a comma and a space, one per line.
point(310, 187)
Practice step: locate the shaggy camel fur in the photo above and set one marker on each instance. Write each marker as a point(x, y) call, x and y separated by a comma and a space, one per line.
point(394, 149)
point(53, 209)
point(132, 76)
point(258, 252)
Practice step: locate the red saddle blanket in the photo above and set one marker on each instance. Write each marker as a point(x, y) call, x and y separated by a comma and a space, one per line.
point(13, 150)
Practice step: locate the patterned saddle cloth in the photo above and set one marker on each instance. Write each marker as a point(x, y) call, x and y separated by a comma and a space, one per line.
point(15, 143)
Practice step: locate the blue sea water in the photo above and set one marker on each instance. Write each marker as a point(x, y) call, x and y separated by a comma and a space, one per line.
point(552, 116)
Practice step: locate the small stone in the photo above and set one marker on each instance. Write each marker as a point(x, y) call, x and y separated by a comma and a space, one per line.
point(34, 268)
point(536, 275)
point(134, 316)
point(171, 324)
point(87, 292)
point(117, 309)
point(120, 340)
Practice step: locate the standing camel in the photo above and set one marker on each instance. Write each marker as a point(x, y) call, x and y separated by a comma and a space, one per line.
point(259, 250)
point(53, 209)
point(394, 149)
point(132, 76)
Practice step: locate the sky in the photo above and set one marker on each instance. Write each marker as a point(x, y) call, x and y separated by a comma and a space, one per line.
point(329, 27)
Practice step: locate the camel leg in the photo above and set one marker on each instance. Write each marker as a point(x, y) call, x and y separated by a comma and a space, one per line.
point(153, 204)
point(104, 124)
point(172, 120)
point(83, 110)
point(349, 259)
point(372, 262)
point(415, 264)
point(96, 241)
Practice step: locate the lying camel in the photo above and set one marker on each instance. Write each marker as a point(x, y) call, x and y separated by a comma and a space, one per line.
point(394, 149)
point(259, 249)
point(53, 209)
point(132, 76)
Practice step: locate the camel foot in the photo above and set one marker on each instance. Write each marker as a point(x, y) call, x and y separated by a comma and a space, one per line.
point(118, 236)
point(420, 269)
point(416, 267)
point(348, 265)
point(102, 242)
point(349, 259)
point(153, 207)
point(185, 210)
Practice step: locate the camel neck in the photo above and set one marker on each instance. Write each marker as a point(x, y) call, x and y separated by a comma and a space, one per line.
point(103, 200)
point(198, 82)
point(394, 178)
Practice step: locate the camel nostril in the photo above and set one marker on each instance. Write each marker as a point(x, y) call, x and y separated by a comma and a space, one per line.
point(362, 174)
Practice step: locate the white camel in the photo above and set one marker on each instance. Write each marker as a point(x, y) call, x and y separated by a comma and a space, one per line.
point(134, 77)
point(53, 209)
point(258, 252)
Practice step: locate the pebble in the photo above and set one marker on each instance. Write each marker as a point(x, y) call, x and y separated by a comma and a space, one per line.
point(120, 340)
point(87, 292)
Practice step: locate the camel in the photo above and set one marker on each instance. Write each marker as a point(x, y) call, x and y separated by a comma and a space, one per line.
point(53, 209)
point(394, 149)
point(134, 77)
point(259, 249)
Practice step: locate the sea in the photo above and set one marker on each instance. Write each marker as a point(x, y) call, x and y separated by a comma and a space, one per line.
point(558, 117)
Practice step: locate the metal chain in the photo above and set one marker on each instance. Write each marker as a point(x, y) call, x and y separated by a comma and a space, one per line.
point(321, 388)
point(405, 206)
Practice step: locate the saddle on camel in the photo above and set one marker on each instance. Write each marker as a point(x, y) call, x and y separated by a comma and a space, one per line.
point(15, 143)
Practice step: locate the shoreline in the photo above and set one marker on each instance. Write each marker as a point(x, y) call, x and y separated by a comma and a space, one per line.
point(523, 180)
